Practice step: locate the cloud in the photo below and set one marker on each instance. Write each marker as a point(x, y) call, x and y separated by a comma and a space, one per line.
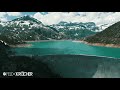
point(2, 14)
point(98, 17)
point(50, 18)
point(14, 13)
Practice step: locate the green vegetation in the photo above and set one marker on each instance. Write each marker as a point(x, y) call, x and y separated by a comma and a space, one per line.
point(110, 35)
point(77, 34)
point(27, 28)
point(27, 18)
point(75, 31)
point(17, 32)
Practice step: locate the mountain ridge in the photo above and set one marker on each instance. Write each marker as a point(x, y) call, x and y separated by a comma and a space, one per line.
point(27, 28)
point(110, 36)
point(76, 30)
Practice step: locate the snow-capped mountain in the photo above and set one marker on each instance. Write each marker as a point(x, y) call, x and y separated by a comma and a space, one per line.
point(24, 29)
point(76, 25)
point(2, 24)
point(27, 28)
point(26, 20)
point(76, 30)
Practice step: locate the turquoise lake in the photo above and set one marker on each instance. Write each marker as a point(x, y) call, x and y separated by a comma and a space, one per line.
point(65, 48)
point(74, 59)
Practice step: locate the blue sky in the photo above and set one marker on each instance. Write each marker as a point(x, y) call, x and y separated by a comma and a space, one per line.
point(11, 17)
point(23, 14)
point(49, 18)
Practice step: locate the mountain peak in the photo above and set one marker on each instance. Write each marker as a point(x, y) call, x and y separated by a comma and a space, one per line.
point(27, 18)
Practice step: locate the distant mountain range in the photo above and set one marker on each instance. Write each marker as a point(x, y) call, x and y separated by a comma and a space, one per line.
point(76, 30)
point(76, 25)
point(110, 35)
point(27, 28)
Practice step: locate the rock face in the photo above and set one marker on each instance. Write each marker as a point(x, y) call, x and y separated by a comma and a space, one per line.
point(110, 35)
point(4, 48)
point(26, 28)
point(76, 30)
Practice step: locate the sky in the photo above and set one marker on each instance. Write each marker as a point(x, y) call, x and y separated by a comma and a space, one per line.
point(49, 18)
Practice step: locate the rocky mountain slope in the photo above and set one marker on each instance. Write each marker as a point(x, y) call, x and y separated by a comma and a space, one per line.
point(110, 35)
point(76, 30)
point(26, 28)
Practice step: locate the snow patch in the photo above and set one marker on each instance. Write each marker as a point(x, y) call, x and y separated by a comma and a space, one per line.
point(26, 22)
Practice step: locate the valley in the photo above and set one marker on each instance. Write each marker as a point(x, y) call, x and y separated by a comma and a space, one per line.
point(62, 50)
point(27, 28)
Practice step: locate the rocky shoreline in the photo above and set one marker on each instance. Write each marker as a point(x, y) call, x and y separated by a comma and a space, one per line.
point(29, 45)
point(101, 44)
point(46, 40)
point(93, 44)
point(21, 45)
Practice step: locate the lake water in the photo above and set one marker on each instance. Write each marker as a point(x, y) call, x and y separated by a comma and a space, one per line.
point(74, 59)
point(67, 47)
